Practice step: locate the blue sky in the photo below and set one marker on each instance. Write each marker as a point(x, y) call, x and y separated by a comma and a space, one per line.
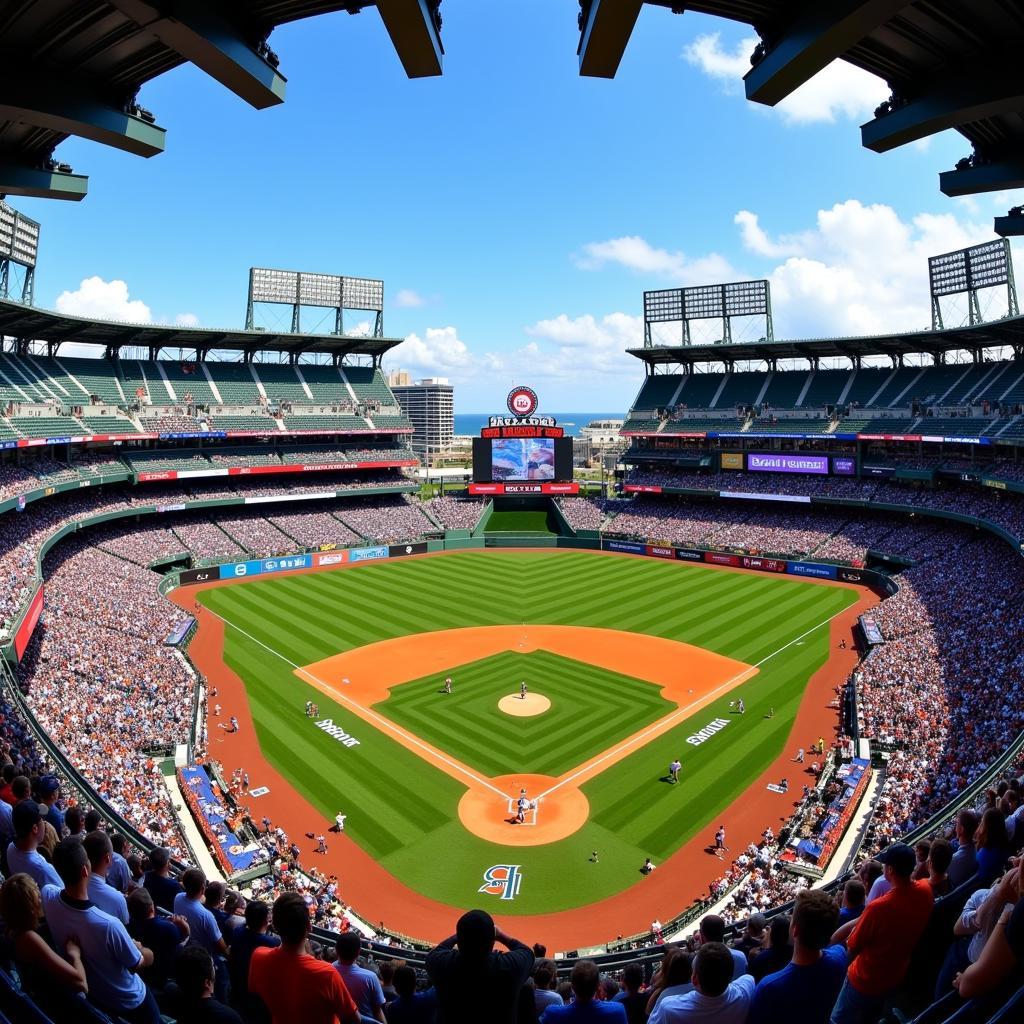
point(515, 211)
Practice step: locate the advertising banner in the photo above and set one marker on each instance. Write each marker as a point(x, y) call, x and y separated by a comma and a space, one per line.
point(821, 572)
point(878, 470)
point(764, 564)
point(717, 558)
point(526, 488)
point(657, 551)
point(326, 558)
point(642, 489)
point(200, 575)
point(689, 555)
point(167, 474)
point(258, 567)
point(782, 462)
point(28, 624)
point(625, 545)
point(368, 554)
point(753, 496)
point(401, 550)
point(843, 466)
point(732, 460)
point(287, 563)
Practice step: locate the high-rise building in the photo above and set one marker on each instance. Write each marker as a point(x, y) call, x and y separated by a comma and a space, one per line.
point(399, 379)
point(430, 404)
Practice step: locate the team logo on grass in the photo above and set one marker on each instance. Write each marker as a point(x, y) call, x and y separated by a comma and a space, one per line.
point(503, 881)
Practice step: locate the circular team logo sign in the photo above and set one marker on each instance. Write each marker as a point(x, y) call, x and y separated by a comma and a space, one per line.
point(522, 401)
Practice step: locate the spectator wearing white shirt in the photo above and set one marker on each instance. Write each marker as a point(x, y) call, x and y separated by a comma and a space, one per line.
point(715, 998)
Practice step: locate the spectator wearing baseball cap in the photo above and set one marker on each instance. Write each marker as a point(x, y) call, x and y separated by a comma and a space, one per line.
point(22, 853)
point(49, 790)
point(881, 940)
point(473, 982)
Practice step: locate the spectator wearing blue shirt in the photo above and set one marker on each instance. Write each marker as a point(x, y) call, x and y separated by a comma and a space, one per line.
point(778, 953)
point(112, 960)
point(203, 928)
point(363, 985)
point(49, 791)
point(712, 929)
point(545, 977)
point(991, 844)
point(807, 988)
point(252, 936)
point(964, 862)
point(162, 887)
point(101, 856)
point(119, 875)
point(584, 1007)
point(853, 901)
point(29, 829)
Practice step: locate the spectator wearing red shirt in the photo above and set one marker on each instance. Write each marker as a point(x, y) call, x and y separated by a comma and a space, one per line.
point(294, 985)
point(881, 940)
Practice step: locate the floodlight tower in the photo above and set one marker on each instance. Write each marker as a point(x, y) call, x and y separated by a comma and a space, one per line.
point(19, 246)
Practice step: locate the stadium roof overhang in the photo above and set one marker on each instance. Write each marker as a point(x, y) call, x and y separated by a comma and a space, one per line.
point(948, 64)
point(1008, 332)
point(75, 67)
point(28, 323)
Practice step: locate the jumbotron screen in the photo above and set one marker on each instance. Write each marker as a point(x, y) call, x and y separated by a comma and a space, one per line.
point(515, 459)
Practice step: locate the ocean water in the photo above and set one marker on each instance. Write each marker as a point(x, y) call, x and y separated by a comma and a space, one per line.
point(471, 423)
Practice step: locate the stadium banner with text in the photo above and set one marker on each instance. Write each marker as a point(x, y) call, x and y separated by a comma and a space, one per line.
point(525, 488)
point(28, 624)
point(658, 551)
point(764, 564)
point(260, 566)
point(717, 558)
point(802, 499)
point(843, 466)
point(627, 546)
point(200, 575)
point(642, 489)
point(818, 571)
point(325, 558)
point(931, 438)
point(368, 554)
point(732, 460)
point(780, 462)
point(401, 550)
point(322, 467)
point(689, 555)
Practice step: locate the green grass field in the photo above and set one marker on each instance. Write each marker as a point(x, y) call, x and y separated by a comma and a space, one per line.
point(404, 812)
point(519, 521)
point(590, 710)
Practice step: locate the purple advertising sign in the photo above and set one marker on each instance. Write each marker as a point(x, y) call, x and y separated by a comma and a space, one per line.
point(844, 467)
point(777, 463)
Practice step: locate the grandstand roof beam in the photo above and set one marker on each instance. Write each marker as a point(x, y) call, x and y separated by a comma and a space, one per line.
point(62, 104)
point(1010, 226)
point(17, 179)
point(415, 30)
point(817, 35)
point(996, 176)
point(974, 94)
point(204, 34)
point(605, 28)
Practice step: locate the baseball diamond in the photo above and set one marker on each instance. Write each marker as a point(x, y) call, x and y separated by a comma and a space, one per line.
point(626, 650)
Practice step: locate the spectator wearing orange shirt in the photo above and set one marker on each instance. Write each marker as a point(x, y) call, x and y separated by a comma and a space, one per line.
point(294, 985)
point(882, 939)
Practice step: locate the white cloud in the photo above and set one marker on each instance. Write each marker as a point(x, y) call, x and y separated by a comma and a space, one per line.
point(439, 351)
point(186, 320)
point(407, 298)
point(637, 254)
point(104, 300)
point(359, 330)
point(837, 91)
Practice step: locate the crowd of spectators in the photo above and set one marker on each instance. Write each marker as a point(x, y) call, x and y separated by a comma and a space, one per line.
point(314, 527)
point(257, 534)
point(388, 519)
point(455, 513)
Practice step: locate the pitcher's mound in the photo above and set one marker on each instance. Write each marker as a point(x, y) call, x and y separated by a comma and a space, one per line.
point(524, 707)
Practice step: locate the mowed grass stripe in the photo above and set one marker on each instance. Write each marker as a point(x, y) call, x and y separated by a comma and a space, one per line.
point(469, 725)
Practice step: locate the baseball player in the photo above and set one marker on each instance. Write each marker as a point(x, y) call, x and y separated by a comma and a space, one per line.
point(674, 769)
point(448, 684)
point(522, 690)
point(720, 842)
point(339, 821)
point(521, 805)
point(321, 844)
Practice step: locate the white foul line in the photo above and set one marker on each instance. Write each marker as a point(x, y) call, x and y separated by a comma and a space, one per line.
point(660, 725)
point(386, 725)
